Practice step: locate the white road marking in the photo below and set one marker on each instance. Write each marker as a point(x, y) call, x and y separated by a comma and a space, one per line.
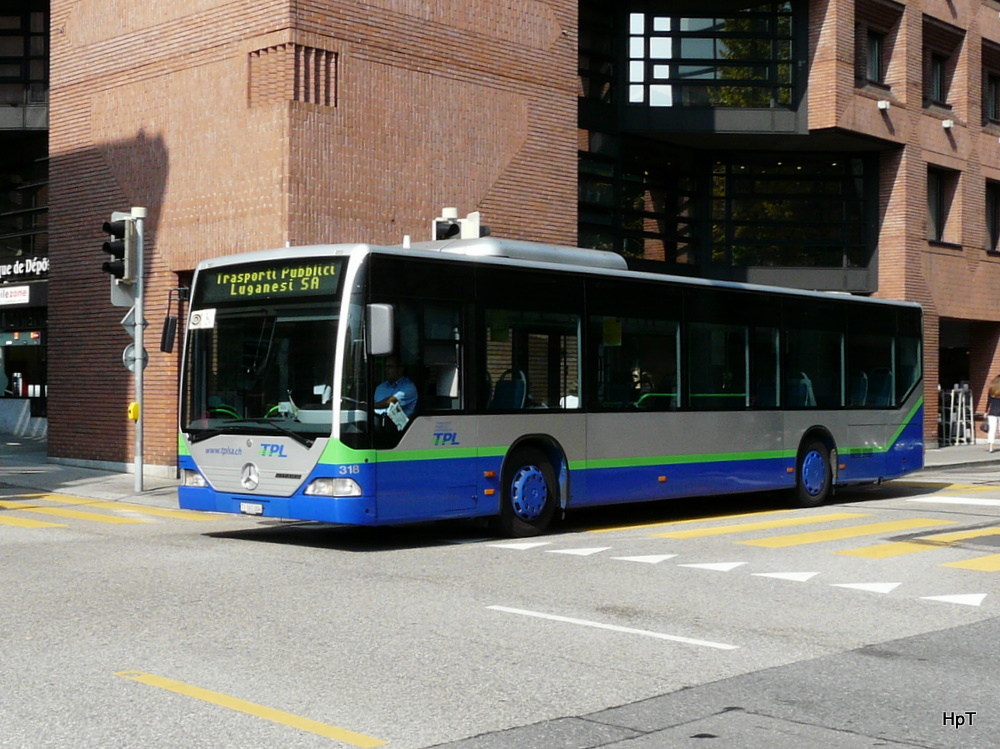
point(649, 559)
point(799, 577)
point(521, 545)
point(614, 628)
point(579, 552)
point(716, 566)
point(870, 587)
point(981, 501)
point(971, 599)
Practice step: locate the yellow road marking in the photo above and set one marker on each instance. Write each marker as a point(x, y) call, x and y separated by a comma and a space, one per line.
point(251, 708)
point(25, 523)
point(75, 514)
point(142, 509)
point(763, 525)
point(885, 551)
point(836, 534)
point(945, 486)
point(686, 522)
point(990, 563)
point(924, 543)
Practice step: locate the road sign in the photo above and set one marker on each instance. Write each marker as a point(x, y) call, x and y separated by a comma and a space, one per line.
point(129, 357)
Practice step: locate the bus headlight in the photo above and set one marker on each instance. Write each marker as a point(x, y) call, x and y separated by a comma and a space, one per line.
point(192, 478)
point(334, 488)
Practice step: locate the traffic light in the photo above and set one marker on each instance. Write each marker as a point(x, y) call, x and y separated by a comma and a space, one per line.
point(120, 247)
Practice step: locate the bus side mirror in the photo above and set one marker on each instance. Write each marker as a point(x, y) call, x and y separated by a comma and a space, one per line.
point(381, 327)
point(168, 334)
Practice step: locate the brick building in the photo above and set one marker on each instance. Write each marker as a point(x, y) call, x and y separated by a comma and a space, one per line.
point(845, 145)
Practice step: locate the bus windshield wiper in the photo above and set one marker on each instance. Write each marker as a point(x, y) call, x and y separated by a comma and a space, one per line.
point(197, 435)
point(302, 440)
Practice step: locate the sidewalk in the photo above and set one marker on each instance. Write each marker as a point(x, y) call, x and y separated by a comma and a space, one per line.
point(24, 465)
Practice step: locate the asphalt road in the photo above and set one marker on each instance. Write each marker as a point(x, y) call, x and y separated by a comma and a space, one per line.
point(720, 622)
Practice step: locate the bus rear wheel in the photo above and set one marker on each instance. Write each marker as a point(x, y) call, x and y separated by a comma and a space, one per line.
point(813, 475)
point(529, 497)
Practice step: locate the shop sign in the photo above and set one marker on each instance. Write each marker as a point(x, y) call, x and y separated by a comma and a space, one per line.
point(15, 295)
point(24, 267)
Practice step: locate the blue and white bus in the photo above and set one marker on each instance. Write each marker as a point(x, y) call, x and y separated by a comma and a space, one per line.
point(547, 379)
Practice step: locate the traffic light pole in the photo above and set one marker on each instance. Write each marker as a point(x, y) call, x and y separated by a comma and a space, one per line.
point(139, 214)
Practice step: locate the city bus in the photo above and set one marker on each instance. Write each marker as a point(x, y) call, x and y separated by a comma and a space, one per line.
point(546, 379)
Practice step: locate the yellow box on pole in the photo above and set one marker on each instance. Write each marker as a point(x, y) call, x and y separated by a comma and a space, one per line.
point(133, 411)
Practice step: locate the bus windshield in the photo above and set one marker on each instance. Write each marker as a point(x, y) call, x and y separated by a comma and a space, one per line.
point(260, 367)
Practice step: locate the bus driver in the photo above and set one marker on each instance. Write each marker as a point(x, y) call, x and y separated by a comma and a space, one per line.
point(397, 388)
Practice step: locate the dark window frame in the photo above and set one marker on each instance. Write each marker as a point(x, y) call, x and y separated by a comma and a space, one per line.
point(874, 57)
point(713, 80)
point(992, 210)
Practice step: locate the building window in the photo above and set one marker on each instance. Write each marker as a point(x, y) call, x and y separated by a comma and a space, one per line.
point(942, 48)
point(874, 70)
point(941, 186)
point(596, 53)
point(991, 97)
point(993, 216)
point(788, 210)
point(24, 62)
point(637, 200)
point(937, 92)
point(742, 57)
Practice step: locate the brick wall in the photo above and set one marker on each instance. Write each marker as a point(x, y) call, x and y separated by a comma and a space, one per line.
point(955, 279)
point(246, 125)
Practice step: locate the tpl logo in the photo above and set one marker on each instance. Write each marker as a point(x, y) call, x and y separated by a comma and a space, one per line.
point(272, 451)
point(445, 438)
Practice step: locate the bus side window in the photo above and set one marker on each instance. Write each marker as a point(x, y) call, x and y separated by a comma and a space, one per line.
point(441, 354)
point(637, 363)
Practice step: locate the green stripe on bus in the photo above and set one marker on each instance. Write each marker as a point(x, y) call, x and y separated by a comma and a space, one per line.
point(660, 460)
point(337, 453)
point(441, 453)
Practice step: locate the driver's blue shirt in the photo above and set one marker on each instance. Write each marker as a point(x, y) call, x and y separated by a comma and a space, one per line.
point(404, 390)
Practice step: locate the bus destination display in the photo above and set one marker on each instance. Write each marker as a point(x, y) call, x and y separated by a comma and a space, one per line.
point(270, 281)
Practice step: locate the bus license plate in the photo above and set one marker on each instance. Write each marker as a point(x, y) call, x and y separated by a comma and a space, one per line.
point(251, 508)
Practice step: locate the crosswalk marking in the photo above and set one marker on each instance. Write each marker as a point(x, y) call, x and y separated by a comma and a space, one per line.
point(924, 543)
point(989, 563)
point(894, 549)
point(26, 523)
point(762, 525)
point(141, 509)
point(64, 513)
point(837, 534)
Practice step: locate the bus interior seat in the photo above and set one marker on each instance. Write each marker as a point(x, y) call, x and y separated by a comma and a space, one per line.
point(881, 387)
point(859, 388)
point(656, 401)
point(800, 391)
point(510, 392)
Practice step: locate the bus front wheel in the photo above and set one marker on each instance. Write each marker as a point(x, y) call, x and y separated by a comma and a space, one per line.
point(529, 496)
point(814, 476)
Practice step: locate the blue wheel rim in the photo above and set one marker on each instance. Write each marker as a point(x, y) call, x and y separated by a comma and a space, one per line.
point(528, 493)
point(813, 473)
